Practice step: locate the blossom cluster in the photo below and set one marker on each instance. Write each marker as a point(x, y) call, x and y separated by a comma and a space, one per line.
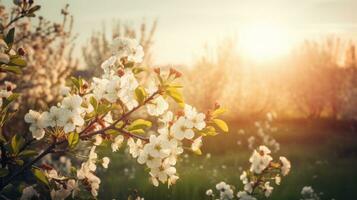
point(258, 179)
point(67, 115)
point(308, 193)
point(262, 171)
point(264, 131)
point(101, 111)
point(6, 92)
point(161, 151)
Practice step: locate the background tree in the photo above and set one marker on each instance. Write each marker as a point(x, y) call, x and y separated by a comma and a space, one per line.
point(48, 49)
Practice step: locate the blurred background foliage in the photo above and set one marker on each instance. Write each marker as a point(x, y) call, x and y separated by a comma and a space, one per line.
point(49, 54)
point(316, 80)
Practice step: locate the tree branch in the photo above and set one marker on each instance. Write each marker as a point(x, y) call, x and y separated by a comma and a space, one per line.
point(102, 131)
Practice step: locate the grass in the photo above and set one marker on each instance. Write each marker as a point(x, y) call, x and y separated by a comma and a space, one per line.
point(323, 155)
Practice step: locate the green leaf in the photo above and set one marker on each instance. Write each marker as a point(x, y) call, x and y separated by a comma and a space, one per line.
point(73, 139)
point(175, 95)
point(17, 61)
point(9, 39)
point(137, 131)
point(139, 124)
point(17, 142)
point(40, 176)
point(138, 70)
point(75, 82)
point(140, 94)
point(10, 99)
point(4, 172)
point(112, 132)
point(176, 85)
point(93, 101)
point(198, 152)
point(221, 124)
point(129, 65)
point(27, 153)
point(218, 112)
point(12, 69)
point(19, 162)
point(34, 9)
point(103, 108)
point(209, 130)
point(13, 97)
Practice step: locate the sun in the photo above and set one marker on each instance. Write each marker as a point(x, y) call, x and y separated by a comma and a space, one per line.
point(261, 42)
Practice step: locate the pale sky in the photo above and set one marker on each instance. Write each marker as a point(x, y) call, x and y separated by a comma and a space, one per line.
point(186, 25)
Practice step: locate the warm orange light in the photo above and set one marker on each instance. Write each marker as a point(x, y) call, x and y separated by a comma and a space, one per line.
point(261, 42)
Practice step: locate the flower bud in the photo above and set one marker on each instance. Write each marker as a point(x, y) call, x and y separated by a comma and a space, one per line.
point(120, 72)
point(17, 2)
point(21, 51)
point(157, 71)
point(180, 113)
point(216, 105)
point(175, 73)
point(85, 85)
point(9, 86)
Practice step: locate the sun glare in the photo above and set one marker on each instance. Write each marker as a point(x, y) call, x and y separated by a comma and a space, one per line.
point(261, 42)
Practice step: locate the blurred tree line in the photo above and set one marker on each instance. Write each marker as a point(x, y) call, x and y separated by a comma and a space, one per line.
point(318, 79)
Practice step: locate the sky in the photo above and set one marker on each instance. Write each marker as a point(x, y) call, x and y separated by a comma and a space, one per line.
point(186, 26)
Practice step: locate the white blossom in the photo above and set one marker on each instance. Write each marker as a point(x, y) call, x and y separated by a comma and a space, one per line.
point(55, 117)
point(243, 195)
point(109, 67)
point(286, 165)
point(127, 48)
point(98, 140)
point(197, 119)
point(226, 191)
point(65, 91)
point(196, 144)
point(260, 160)
point(277, 180)
point(157, 106)
point(244, 178)
point(182, 128)
point(72, 119)
point(73, 104)
point(36, 121)
point(209, 192)
point(87, 172)
point(267, 189)
point(118, 140)
point(135, 147)
point(163, 172)
point(105, 162)
point(248, 187)
point(157, 147)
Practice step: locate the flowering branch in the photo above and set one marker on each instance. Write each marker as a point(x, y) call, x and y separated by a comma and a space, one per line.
point(84, 113)
point(262, 169)
point(27, 10)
